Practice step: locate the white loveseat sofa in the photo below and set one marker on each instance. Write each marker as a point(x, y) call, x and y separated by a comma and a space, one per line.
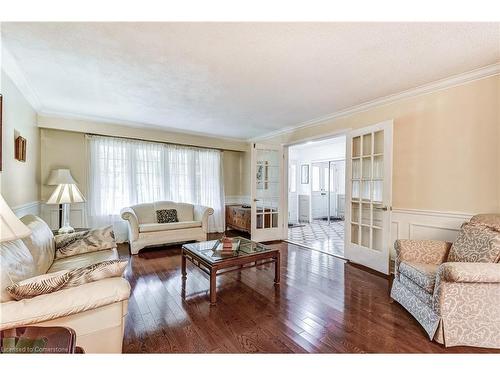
point(96, 311)
point(144, 230)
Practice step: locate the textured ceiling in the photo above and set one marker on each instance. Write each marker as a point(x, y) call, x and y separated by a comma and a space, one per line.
point(236, 79)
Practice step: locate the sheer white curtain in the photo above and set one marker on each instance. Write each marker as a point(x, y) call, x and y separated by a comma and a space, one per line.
point(124, 172)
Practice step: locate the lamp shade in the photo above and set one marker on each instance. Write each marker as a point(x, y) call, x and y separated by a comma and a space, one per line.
point(60, 176)
point(66, 193)
point(11, 228)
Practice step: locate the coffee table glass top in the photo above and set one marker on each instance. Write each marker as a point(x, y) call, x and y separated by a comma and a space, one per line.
point(204, 249)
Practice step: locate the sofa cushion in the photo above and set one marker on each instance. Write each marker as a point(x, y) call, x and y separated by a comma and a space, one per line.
point(16, 264)
point(145, 213)
point(40, 243)
point(476, 243)
point(72, 244)
point(83, 260)
point(158, 227)
point(185, 211)
point(52, 282)
point(167, 216)
point(490, 220)
point(422, 274)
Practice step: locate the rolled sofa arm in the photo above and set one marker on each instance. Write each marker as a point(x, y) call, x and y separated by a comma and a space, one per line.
point(461, 272)
point(128, 214)
point(201, 213)
point(63, 302)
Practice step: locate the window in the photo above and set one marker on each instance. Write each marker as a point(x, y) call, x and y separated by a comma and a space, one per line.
point(126, 172)
point(293, 178)
point(315, 178)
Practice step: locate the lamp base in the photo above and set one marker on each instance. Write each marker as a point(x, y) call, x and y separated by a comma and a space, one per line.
point(65, 230)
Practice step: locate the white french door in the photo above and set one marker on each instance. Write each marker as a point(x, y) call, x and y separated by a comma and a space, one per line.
point(267, 192)
point(368, 202)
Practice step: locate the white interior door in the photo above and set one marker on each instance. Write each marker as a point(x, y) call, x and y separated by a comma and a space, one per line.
point(267, 192)
point(369, 196)
point(293, 202)
point(319, 190)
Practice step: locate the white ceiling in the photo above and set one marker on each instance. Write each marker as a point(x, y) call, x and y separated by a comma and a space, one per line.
point(237, 80)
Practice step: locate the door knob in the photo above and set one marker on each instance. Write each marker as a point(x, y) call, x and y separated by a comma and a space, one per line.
point(382, 208)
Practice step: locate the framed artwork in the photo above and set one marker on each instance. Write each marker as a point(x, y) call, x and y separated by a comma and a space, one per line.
point(262, 175)
point(304, 174)
point(20, 149)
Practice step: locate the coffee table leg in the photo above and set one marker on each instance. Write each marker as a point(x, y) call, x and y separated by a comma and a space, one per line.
point(183, 266)
point(277, 269)
point(213, 287)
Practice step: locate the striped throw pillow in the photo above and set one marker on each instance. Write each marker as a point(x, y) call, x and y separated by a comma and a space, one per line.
point(52, 282)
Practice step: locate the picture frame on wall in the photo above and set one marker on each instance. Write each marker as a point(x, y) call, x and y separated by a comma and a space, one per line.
point(304, 174)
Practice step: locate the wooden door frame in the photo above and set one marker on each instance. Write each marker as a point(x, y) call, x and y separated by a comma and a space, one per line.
point(286, 149)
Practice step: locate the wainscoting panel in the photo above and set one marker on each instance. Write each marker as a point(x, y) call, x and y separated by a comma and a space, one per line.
point(426, 225)
point(78, 218)
point(31, 208)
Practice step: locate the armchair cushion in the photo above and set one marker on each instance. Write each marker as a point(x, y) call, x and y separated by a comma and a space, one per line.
point(52, 282)
point(490, 220)
point(422, 251)
point(71, 244)
point(476, 243)
point(469, 272)
point(422, 274)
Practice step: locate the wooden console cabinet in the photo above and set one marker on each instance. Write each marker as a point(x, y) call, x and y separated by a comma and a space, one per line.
point(238, 218)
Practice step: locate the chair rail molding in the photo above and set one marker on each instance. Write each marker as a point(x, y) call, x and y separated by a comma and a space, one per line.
point(237, 199)
point(416, 224)
point(30, 208)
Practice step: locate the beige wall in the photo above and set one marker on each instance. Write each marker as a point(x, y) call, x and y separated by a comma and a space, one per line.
point(67, 149)
point(145, 133)
point(446, 147)
point(19, 180)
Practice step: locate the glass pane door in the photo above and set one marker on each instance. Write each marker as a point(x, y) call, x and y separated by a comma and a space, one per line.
point(267, 193)
point(369, 196)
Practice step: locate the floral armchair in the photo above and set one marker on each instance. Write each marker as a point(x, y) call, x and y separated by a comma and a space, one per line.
point(453, 290)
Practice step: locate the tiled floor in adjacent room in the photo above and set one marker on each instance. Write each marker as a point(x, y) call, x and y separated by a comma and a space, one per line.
point(320, 235)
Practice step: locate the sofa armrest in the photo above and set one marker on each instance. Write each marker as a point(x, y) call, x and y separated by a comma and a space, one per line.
point(461, 272)
point(128, 214)
point(63, 302)
point(201, 213)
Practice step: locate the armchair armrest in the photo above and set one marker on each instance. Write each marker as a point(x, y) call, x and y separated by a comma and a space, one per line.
point(128, 214)
point(461, 272)
point(422, 251)
point(201, 213)
point(63, 302)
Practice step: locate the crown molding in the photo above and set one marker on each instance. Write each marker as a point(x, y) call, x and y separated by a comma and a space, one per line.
point(442, 84)
point(12, 69)
point(130, 124)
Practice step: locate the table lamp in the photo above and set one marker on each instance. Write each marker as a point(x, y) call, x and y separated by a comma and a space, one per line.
point(65, 193)
point(11, 228)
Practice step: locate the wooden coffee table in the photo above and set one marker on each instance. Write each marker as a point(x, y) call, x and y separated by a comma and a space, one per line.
point(250, 254)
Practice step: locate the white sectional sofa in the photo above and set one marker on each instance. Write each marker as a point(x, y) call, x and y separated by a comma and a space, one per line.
point(144, 230)
point(96, 311)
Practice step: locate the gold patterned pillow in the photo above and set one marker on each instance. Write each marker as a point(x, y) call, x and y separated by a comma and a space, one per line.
point(476, 243)
point(167, 216)
point(68, 245)
point(52, 282)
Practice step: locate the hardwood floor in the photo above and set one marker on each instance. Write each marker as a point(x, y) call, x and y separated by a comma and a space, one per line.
point(323, 305)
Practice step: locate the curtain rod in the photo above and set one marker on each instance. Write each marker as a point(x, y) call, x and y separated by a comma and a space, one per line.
point(161, 142)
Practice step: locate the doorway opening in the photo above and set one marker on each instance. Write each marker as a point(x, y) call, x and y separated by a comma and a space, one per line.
point(316, 194)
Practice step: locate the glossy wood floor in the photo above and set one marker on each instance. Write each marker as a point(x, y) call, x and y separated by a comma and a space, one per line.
point(323, 305)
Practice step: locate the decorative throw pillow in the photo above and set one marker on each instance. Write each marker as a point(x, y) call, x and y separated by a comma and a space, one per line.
point(87, 241)
point(52, 282)
point(476, 243)
point(167, 216)
point(490, 220)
